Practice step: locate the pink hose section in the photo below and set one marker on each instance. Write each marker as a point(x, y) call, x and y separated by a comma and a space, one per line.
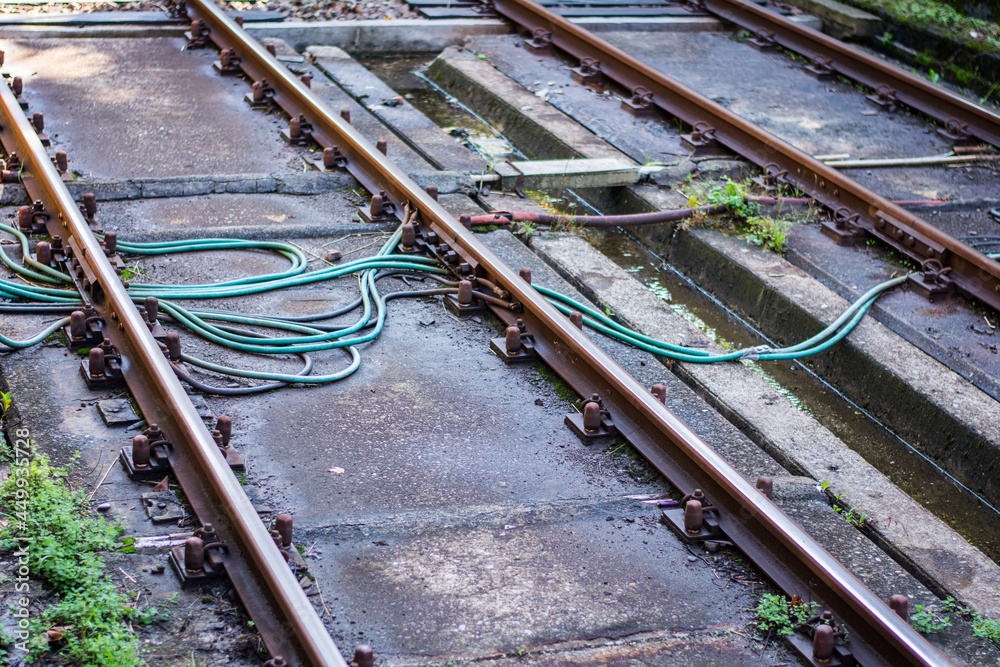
point(655, 217)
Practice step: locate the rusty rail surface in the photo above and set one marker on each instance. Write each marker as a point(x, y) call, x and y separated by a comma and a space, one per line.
point(946, 261)
point(770, 538)
point(263, 580)
point(936, 102)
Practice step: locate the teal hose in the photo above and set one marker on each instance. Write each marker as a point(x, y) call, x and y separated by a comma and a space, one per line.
point(289, 337)
point(37, 338)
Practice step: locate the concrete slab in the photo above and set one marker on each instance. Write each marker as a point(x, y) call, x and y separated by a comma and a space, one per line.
point(799, 497)
point(439, 148)
point(818, 117)
point(914, 535)
point(842, 20)
point(144, 107)
point(645, 140)
point(932, 407)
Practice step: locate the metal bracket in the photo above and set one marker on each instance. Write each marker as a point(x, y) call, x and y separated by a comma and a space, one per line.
point(821, 69)
point(844, 228)
point(885, 98)
point(640, 104)
point(763, 41)
point(540, 42)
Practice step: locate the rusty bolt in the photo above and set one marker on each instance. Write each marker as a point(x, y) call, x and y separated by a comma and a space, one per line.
point(225, 426)
point(62, 162)
point(43, 252)
point(258, 89)
point(196, 28)
point(140, 451)
point(901, 605)
point(307, 79)
point(346, 114)
point(525, 274)
point(465, 293)
point(194, 555)
point(17, 85)
point(174, 346)
point(77, 325)
point(432, 190)
point(660, 392)
point(591, 417)
point(270, 49)
point(239, 20)
point(294, 127)
point(693, 516)
point(513, 340)
point(90, 204)
point(377, 208)
point(466, 220)
point(152, 308)
point(283, 524)
point(823, 642)
point(382, 146)
point(1, 58)
point(766, 486)
point(576, 318)
point(110, 242)
point(364, 656)
point(38, 121)
point(96, 362)
point(276, 661)
point(409, 237)
point(217, 437)
point(24, 217)
point(329, 157)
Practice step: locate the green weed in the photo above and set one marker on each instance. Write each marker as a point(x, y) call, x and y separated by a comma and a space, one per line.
point(927, 620)
point(767, 232)
point(133, 271)
point(778, 614)
point(91, 619)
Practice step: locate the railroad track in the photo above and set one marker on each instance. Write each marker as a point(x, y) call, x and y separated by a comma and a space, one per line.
point(859, 213)
point(284, 616)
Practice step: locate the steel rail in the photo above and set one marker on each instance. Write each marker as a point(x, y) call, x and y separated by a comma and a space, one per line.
point(769, 537)
point(854, 64)
point(970, 270)
point(272, 596)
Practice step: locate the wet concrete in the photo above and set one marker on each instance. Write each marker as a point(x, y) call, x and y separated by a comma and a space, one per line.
point(145, 107)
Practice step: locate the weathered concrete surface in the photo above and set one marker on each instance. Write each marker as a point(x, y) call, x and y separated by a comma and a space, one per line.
point(950, 330)
point(918, 538)
point(799, 497)
point(817, 117)
point(841, 20)
point(513, 110)
point(934, 408)
point(439, 148)
point(534, 125)
point(144, 108)
point(301, 183)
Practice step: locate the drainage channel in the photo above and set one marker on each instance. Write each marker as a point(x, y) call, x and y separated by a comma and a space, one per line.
point(404, 74)
point(925, 482)
point(918, 476)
